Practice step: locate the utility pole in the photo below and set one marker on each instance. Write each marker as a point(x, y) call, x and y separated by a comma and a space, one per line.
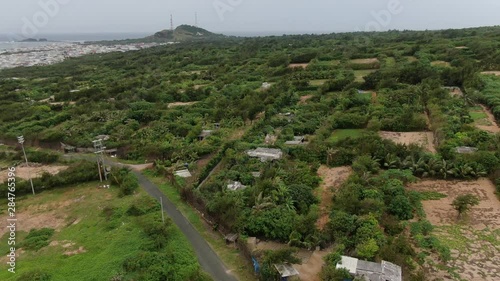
point(20, 139)
point(162, 215)
point(101, 166)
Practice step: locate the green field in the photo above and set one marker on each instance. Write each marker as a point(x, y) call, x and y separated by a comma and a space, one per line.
point(318, 82)
point(106, 243)
point(346, 133)
point(478, 115)
point(441, 63)
point(390, 62)
point(360, 74)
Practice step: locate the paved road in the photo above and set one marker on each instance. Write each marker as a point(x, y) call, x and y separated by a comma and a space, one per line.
point(208, 259)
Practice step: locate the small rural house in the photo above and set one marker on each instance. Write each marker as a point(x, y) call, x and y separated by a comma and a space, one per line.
point(266, 154)
point(371, 271)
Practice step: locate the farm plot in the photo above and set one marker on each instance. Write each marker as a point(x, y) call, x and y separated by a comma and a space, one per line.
point(346, 133)
point(496, 73)
point(424, 139)
point(298, 65)
point(365, 61)
point(361, 74)
point(177, 104)
point(332, 179)
point(440, 63)
point(484, 119)
point(474, 243)
point(318, 82)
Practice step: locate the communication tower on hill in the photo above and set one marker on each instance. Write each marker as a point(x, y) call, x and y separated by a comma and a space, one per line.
point(196, 20)
point(171, 23)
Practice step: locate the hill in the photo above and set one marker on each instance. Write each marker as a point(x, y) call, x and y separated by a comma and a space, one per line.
point(184, 33)
point(181, 34)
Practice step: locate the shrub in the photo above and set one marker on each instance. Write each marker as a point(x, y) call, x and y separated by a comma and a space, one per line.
point(37, 239)
point(125, 180)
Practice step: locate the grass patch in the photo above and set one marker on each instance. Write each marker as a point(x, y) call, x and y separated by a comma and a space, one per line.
point(440, 63)
point(390, 62)
point(431, 195)
point(230, 256)
point(479, 116)
point(346, 133)
point(107, 239)
point(411, 59)
point(361, 74)
point(318, 82)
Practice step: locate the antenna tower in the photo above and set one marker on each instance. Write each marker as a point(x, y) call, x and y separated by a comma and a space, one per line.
point(195, 19)
point(171, 23)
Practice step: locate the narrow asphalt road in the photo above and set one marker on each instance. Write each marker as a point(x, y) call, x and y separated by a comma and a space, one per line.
point(208, 259)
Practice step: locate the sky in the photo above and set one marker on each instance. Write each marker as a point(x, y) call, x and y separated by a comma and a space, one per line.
point(31, 17)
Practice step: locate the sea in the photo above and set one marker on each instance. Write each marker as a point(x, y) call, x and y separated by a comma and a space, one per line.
point(9, 41)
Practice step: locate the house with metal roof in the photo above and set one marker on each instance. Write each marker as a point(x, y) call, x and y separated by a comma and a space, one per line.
point(371, 271)
point(465, 150)
point(266, 154)
point(297, 140)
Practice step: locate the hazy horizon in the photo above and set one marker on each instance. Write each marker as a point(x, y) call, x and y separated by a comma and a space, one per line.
point(240, 17)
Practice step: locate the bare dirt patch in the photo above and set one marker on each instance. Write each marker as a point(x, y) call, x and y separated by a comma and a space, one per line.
point(27, 221)
point(304, 99)
point(424, 139)
point(497, 73)
point(440, 212)
point(34, 172)
point(177, 104)
point(473, 240)
point(365, 61)
point(493, 126)
point(298, 65)
point(332, 179)
point(80, 250)
point(310, 268)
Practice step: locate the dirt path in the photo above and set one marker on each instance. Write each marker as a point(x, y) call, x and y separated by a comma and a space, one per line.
point(332, 178)
point(493, 128)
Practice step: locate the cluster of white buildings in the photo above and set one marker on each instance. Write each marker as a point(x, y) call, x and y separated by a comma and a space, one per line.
point(57, 52)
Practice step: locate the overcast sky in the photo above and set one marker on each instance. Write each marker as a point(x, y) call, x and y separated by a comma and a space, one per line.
point(243, 16)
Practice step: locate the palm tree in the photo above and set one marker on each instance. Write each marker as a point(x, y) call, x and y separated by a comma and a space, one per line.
point(262, 203)
point(391, 161)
